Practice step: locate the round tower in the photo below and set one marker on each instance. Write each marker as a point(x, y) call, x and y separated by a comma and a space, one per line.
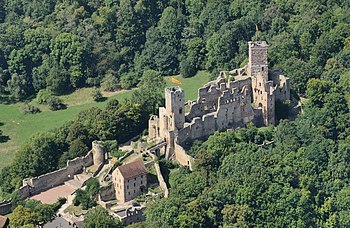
point(98, 152)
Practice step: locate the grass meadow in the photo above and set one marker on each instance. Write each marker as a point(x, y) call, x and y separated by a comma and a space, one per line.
point(19, 127)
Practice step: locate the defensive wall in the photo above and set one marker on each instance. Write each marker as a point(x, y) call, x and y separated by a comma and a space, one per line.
point(35, 185)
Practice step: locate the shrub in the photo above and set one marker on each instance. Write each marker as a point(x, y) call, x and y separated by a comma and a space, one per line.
point(30, 109)
point(56, 104)
point(97, 95)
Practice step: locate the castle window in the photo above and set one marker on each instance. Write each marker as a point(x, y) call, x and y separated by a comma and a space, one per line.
point(135, 178)
point(180, 110)
point(129, 193)
point(141, 176)
point(141, 182)
point(127, 187)
point(134, 184)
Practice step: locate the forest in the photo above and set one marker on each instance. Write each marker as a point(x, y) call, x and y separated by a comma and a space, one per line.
point(301, 180)
point(63, 45)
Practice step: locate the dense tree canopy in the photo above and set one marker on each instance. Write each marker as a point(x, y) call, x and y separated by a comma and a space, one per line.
point(301, 179)
point(63, 45)
point(99, 217)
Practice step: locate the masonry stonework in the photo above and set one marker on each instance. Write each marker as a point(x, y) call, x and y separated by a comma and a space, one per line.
point(35, 185)
point(231, 101)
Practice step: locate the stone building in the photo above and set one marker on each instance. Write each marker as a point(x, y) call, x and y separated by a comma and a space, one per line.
point(130, 180)
point(131, 215)
point(231, 101)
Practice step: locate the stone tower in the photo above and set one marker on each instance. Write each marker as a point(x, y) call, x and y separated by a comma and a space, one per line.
point(175, 107)
point(258, 59)
point(98, 152)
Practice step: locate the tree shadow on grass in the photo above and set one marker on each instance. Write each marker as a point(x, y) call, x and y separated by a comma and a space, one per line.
point(4, 138)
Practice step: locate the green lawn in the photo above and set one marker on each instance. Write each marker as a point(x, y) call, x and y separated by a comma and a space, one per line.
point(191, 85)
point(20, 127)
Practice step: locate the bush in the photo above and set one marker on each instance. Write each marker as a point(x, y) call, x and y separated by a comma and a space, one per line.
point(56, 104)
point(97, 95)
point(46, 97)
point(30, 109)
point(58, 204)
point(187, 69)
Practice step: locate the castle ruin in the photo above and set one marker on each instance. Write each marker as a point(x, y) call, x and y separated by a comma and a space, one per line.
point(231, 101)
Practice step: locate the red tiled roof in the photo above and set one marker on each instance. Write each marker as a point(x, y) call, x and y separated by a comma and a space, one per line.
point(132, 169)
point(3, 221)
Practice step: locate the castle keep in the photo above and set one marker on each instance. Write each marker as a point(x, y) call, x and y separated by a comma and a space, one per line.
point(234, 99)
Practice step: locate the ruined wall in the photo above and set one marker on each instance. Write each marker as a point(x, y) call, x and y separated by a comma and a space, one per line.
point(241, 82)
point(163, 122)
point(282, 88)
point(133, 215)
point(199, 127)
point(46, 181)
point(182, 157)
point(153, 127)
point(107, 193)
point(264, 98)
point(206, 102)
point(161, 180)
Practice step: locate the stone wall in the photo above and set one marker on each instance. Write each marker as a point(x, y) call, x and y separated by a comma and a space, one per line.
point(131, 215)
point(182, 157)
point(46, 181)
point(282, 89)
point(107, 193)
point(161, 180)
point(233, 110)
